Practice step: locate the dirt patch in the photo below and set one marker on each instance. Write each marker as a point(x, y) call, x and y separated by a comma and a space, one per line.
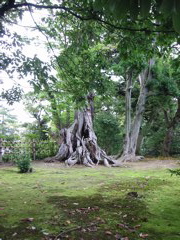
point(141, 165)
point(153, 164)
point(2, 165)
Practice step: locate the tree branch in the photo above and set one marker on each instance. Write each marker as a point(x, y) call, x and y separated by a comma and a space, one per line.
point(92, 15)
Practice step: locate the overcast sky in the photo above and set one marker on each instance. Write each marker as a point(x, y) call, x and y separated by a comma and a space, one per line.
point(37, 47)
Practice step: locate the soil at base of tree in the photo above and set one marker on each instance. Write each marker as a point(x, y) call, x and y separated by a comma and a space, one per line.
point(148, 163)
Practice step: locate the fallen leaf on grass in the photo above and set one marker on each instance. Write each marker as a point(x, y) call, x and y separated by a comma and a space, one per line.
point(137, 226)
point(143, 235)
point(108, 233)
point(68, 222)
point(14, 234)
point(117, 236)
point(92, 229)
point(31, 228)
point(130, 229)
point(27, 219)
point(75, 203)
point(122, 225)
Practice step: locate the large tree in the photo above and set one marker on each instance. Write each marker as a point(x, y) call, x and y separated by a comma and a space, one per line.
point(147, 22)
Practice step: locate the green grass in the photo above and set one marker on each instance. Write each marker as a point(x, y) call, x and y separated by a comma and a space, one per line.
point(85, 203)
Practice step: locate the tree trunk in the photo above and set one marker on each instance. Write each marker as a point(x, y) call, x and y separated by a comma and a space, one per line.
point(139, 142)
point(171, 125)
point(79, 144)
point(167, 142)
point(132, 129)
point(128, 114)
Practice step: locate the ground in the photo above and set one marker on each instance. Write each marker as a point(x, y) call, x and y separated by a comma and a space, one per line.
point(138, 201)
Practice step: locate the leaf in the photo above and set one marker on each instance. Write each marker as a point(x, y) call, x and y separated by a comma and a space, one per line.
point(121, 8)
point(14, 234)
point(122, 225)
point(137, 226)
point(145, 6)
point(98, 5)
point(134, 8)
point(166, 7)
point(27, 219)
point(117, 236)
point(108, 233)
point(143, 235)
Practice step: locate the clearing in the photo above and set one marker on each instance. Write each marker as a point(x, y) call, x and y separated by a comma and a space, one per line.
point(137, 201)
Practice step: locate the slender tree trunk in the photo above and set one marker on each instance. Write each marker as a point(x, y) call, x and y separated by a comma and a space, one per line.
point(171, 125)
point(128, 114)
point(167, 142)
point(130, 146)
point(139, 143)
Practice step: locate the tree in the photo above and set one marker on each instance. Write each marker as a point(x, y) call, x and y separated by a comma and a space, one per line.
point(9, 129)
point(80, 143)
point(166, 90)
point(97, 9)
point(9, 126)
point(141, 26)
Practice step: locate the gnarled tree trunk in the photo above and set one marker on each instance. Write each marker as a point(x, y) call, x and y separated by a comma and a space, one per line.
point(79, 142)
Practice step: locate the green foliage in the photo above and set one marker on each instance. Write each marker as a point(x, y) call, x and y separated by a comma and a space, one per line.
point(23, 162)
point(175, 171)
point(46, 149)
point(9, 127)
point(107, 129)
point(12, 95)
point(120, 9)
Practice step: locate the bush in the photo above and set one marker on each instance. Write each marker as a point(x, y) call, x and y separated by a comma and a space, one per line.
point(175, 171)
point(107, 129)
point(23, 162)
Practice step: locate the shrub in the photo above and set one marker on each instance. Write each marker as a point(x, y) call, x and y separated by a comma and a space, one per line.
point(175, 171)
point(23, 162)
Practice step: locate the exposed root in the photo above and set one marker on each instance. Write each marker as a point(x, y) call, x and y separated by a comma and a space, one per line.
point(79, 144)
point(130, 158)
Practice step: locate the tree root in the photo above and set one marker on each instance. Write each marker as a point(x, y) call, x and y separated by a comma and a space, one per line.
point(79, 144)
point(130, 158)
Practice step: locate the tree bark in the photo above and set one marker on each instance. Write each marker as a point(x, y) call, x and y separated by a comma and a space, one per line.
point(171, 125)
point(133, 128)
point(79, 144)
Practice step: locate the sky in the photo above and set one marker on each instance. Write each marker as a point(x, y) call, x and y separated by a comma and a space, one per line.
point(29, 50)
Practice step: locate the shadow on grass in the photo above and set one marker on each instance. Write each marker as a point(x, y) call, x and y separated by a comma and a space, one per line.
point(21, 232)
point(114, 213)
point(99, 217)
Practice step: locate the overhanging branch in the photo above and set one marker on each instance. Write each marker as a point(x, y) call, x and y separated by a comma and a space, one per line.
point(91, 15)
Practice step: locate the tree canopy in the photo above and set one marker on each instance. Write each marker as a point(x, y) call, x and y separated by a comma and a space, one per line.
point(117, 57)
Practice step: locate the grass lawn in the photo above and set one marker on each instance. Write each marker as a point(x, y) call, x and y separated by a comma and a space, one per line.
point(89, 203)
